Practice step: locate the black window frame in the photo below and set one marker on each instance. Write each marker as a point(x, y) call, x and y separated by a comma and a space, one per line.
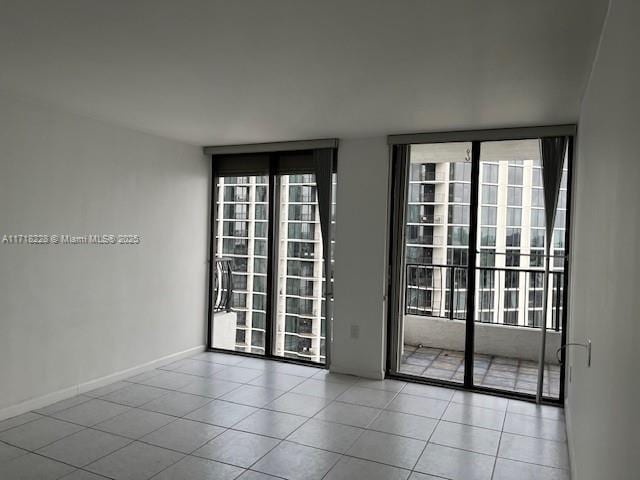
point(272, 162)
point(399, 155)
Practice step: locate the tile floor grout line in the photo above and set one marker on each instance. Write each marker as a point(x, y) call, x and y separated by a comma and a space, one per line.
point(364, 430)
point(21, 424)
point(366, 460)
point(313, 417)
point(121, 436)
point(167, 467)
point(257, 471)
point(167, 392)
point(46, 445)
point(429, 439)
point(385, 408)
point(533, 463)
point(462, 449)
point(84, 467)
point(156, 446)
point(495, 461)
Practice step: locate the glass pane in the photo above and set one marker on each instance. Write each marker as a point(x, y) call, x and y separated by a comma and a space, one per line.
point(241, 230)
point(510, 265)
point(300, 312)
point(436, 253)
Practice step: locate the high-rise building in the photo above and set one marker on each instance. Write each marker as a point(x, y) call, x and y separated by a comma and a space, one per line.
point(242, 232)
point(510, 240)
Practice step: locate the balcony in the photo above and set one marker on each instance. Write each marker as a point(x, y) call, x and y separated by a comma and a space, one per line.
point(492, 371)
point(299, 345)
point(300, 292)
point(428, 177)
point(507, 328)
point(431, 220)
point(427, 240)
point(437, 198)
point(303, 199)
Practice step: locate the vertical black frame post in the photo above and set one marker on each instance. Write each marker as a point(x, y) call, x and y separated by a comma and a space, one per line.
point(212, 252)
point(469, 339)
point(395, 282)
point(567, 266)
point(272, 249)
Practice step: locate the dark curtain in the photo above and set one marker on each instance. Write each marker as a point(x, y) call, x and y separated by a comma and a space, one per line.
point(553, 150)
point(323, 167)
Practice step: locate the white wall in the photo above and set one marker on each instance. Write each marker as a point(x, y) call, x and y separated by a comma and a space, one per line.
point(602, 404)
point(71, 314)
point(361, 257)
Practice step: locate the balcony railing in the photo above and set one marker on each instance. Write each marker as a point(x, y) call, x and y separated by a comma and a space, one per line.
point(303, 199)
point(427, 198)
point(222, 284)
point(508, 296)
point(431, 219)
point(432, 240)
point(300, 292)
point(428, 177)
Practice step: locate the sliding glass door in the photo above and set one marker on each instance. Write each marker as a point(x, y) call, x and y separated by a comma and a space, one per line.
point(471, 300)
point(510, 270)
point(242, 225)
point(436, 253)
point(273, 237)
point(300, 308)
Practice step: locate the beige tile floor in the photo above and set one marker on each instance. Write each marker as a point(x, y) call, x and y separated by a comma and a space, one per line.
point(219, 416)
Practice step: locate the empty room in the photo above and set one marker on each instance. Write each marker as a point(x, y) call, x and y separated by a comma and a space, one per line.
point(319, 240)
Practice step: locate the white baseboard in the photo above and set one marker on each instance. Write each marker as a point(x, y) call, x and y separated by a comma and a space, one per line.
point(569, 427)
point(371, 374)
point(53, 397)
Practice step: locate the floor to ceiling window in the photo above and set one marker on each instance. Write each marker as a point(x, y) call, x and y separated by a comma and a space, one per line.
point(300, 309)
point(273, 221)
point(469, 250)
point(242, 222)
point(436, 249)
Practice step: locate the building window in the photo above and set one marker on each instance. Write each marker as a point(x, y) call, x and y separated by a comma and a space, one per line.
point(513, 237)
point(514, 196)
point(489, 216)
point(514, 217)
point(459, 214)
point(515, 175)
point(460, 193)
point(488, 236)
point(489, 173)
point(490, 194)
point(460, 171)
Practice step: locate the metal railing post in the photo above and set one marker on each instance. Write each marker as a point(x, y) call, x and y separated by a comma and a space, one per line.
point(559, 282)
point(451, 290)
point(223, 285)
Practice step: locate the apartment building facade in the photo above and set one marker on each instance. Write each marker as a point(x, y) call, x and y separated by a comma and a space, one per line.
point(242, 230)
point(510, 240)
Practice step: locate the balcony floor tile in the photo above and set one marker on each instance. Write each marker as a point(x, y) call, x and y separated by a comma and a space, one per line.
point(504, 373)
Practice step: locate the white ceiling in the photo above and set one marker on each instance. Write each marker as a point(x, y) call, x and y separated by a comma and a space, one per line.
point(238, 71)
